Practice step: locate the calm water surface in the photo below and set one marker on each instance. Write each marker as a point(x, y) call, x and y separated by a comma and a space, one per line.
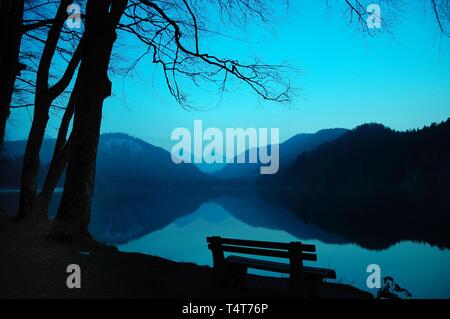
point(174, 225)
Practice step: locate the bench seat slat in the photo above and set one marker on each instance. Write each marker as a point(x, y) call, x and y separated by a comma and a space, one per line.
point(264, 252)
point(258, 243)
point(280, 267)
point(256, 251)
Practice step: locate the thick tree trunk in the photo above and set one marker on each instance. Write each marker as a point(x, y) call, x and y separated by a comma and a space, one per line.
point(11, 16)
point(93, 86)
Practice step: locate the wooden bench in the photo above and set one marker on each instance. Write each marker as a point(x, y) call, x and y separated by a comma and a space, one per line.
point(234, 268)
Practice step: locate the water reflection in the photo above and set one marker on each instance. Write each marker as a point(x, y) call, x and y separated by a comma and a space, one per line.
point(419, 267)
point(174, 223)
point(119, 217)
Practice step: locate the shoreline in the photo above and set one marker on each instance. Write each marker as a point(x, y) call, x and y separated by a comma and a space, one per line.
point(34, 266)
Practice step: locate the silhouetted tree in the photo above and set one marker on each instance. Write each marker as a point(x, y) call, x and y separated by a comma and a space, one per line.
point(92, 87)
point(14, 24)
point(152, 25)
point(26, 26)
point(170, 30)
point(44, 97)
point(11, 15)
point(63, 147)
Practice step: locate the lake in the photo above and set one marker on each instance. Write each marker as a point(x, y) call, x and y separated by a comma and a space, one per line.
point(174, 225)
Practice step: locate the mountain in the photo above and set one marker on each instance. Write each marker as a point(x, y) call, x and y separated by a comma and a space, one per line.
point(125, 161)
point(17, 149)
point(288, 151)
point(122, 162)
point(372, 181)
point(374, 155)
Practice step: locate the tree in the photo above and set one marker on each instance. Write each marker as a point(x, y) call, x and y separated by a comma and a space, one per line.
point(63, 147)
point(44, 97)
point(92, 87)
point(14, 24)
point(170, 31)
point(11, 15)
point(152, 25)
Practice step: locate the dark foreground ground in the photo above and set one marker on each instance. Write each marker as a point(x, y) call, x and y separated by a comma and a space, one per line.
point(32, 266)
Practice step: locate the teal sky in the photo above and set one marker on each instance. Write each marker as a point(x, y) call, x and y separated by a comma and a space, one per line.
point(346, 79)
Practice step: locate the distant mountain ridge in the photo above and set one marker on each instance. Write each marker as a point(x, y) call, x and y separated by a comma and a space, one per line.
point(372, 154)
point(369, 153)
point(17, 149)
point(128, 161)
point(373, 180)
point(288, 150)
point(123, 161)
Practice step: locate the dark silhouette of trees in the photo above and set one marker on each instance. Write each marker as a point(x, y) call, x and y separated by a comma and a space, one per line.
point(372, 156)
point(14, 24)
point(11, 14)
point(58, 163)
point(373, 180)
point(44, 97)
point(170, 32)
point(92, 87)
point(151, 25)
point(34, 26)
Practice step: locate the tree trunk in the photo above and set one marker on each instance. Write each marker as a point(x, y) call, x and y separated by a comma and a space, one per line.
point(58, 162)
point(30, 165)
point(93, 86)
point(11, 16)
point(43, 100)
point(51, 181)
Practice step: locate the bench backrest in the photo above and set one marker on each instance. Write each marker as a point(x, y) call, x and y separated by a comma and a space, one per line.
point(296, 252)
